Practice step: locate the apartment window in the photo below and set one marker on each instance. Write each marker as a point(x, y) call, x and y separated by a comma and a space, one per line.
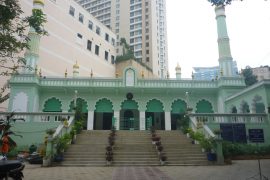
point(89, 45)
point(79, 39)
point(147, 37)
point(81, 17)
point(79, 35)
point(147, 44)
point(97, 50)
point(90, 25)
point(106, 55)
point(147, 51)
point(131, 40)
point(113, 41)
point(98, 30)
point(147, 59)
point(107, 38)
point(112, 59)
point(146, 30)
point(72, 11)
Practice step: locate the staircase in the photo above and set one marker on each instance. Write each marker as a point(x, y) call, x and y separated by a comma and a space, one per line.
point(134, 148)
point(180, 151)
point(88, 150)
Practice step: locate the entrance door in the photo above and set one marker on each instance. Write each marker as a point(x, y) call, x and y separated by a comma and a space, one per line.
point(107, 121)
point(129, 119)
point(177, 121)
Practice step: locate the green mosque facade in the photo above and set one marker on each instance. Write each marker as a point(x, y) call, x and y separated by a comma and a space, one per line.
point(132, 102)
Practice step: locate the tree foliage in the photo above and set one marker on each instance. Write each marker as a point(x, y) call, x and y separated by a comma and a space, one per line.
point(221, 2)
point(250, 78)
point(13, 37)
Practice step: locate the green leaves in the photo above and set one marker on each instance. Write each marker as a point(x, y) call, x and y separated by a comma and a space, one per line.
point(250, 79)
point(37, 20)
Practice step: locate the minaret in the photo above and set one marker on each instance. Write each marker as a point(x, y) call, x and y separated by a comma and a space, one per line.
point(76, 68)
point(178, 71)
point(32, 54)
point(225, 57)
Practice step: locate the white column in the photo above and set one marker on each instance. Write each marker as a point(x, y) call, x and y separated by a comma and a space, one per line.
point(167, 121)
point(90, 120)
point(142, 120)
point(117, 119)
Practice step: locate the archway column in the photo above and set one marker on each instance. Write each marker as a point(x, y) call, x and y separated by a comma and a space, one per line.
point(142, 120)
point(90, 120)
point(116, 116)
point(167, 121)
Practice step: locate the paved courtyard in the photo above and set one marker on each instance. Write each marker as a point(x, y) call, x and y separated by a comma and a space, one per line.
point(239, 170)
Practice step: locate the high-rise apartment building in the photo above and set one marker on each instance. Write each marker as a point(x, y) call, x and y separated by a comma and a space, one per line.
point(141, 22)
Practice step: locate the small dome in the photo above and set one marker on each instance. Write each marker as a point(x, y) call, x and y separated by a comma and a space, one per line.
point(38, 1)
point(76, 65)
point(178, 68)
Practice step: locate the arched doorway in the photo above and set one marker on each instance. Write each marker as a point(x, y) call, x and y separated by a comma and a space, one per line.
point(129, 115)
point(155, 111)
point(52, 105)
point(204, 106)
point(177, 114)
point(103, 115)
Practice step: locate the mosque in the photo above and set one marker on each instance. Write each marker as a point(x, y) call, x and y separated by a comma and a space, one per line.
point(132, 97)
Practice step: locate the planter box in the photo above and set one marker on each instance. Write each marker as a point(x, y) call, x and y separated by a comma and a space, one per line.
point(211, 156)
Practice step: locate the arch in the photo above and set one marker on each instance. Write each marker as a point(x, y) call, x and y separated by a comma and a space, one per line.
point(258, 105)
point(52, 105)
point(129, 104)
point(233, 110)
point(104, 105)
point(244, 107)
point(79, 103)
point(204, 106)
point(154, 105)
point(20, 102)
point(179, 106)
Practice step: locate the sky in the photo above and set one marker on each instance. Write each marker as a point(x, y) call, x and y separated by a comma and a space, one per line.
point(192, 34)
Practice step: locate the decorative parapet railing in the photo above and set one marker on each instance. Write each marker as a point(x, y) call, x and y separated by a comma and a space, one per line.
point(203, 118)
point(119, 82)
point(43, 117)
point(231, 81)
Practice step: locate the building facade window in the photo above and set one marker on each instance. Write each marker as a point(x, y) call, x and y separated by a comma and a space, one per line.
point(89, 45)
point(98, 30)
point(97, 50)
point(112, 59)
point(79, 35)
point(81, 17)
point(90, 25)
point(106, 55)
point(113, 41)
point(72, 11)
point(107, 37)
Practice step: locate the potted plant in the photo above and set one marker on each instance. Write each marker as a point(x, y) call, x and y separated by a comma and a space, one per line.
point(217, 132)
point(50, 132)
point(46, 161)
point(162, 159)
point(155, 139)
point(109, 155)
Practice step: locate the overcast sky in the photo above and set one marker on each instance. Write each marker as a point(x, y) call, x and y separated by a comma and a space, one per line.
point(192, 35)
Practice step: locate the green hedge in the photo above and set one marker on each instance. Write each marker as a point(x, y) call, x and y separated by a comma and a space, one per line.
point(236, 149)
